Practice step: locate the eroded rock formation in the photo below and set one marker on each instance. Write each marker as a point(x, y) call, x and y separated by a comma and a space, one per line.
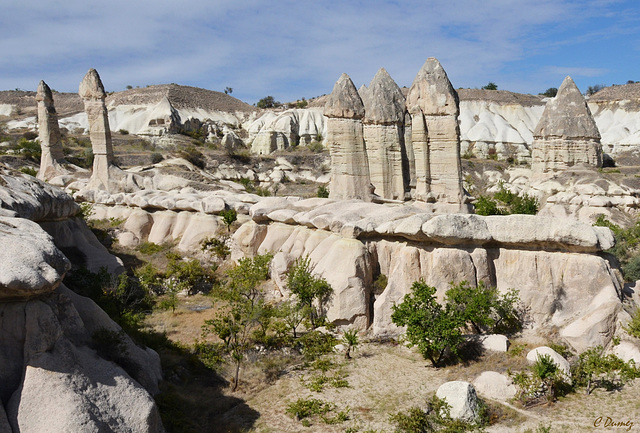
point(92, 93)
point(434, 108)
point(384, 106)
point(566, 135)
point(345, 138)
point(52, 377)
point(52, 159)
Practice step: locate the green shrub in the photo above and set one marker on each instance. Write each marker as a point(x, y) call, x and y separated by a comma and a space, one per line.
point(490, 86)
point(29, 170)
point(543, 382)
point(316, 146)
point(505, 202)
point(123, 132)
point(633, 328)
point(268, 102)
point(314, 344)
point(312, 292)
point(305, 408)
point(434, 418)
point(323, 191)
point(218, 246)
point(149, 248)
point(156, 157)
point(194, 156)
point(30, 149)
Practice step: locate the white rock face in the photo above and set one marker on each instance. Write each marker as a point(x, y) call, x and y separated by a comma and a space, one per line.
point(292, 127)
point(495, 386)
point(627, 351)
point(462, 398)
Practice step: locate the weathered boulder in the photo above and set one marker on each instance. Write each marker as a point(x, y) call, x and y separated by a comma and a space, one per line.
point(23, 196)
point(32, 265)
point(462, 398)
point(495, 386)
point(384, 106)
point(349, 164)
point(566, 134)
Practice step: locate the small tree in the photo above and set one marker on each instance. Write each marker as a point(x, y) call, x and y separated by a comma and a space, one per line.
point(350, 338)
point(228, 90)
point(229, 217)
point(431, 327)
point(551, 92)
point(268, 102)
point(292, 315)
point(244, 310)
point(595, 369)
point(490, 86)
point(312, 292)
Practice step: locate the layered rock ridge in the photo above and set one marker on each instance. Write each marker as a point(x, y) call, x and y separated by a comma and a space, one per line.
point(553, 262)
point(567, 134)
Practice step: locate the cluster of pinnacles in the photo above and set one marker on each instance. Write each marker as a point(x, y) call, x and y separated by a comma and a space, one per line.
point(394, 147)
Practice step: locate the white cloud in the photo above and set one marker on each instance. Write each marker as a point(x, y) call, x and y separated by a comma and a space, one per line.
point(290, 48)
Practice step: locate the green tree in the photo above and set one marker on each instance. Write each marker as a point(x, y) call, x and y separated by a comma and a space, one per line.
point(484, 308)
point(229, 216)
point(244, 308)
point(490, 86)
point(594, 370)
point(432, 327)
point(312, 292)
point(551, 92)
point(228, 90)
point(268, 102)
point(292, 315)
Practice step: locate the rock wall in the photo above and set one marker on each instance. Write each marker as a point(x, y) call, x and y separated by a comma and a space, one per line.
point(553, 262)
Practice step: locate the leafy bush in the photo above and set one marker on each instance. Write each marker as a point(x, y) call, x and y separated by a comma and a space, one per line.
point(229, 216)
point(30, 149)
point(29, 170)
point(551, 92)
point(268, 102)
point(626, 246)
point(218, 246)
point(633, 328)
point(505, 202)
point(149, 248)
point(156, 157)
point(314, 344)
point(543, 382)
point(490, 86)
point(435, 418)
point(123, 132)
point(312, 292)
point(188, 275)
point(305, 408)
point(323, 191)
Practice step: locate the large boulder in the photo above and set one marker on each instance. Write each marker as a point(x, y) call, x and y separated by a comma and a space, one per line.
point(495, 386)
point(462, 398)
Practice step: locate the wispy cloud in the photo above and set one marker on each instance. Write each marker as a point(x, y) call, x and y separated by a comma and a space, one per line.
point(291, 49)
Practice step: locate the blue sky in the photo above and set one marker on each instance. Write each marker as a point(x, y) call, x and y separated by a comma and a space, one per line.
point(295, 48)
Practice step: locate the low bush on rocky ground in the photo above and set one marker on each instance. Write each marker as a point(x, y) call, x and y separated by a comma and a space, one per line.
point(505, 202)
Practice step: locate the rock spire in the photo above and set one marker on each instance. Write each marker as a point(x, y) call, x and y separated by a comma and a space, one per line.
point(49, 135)
point(434, 107)
point(349, 164)
point(566, 134)
point(384, 134)
point(92, 93)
